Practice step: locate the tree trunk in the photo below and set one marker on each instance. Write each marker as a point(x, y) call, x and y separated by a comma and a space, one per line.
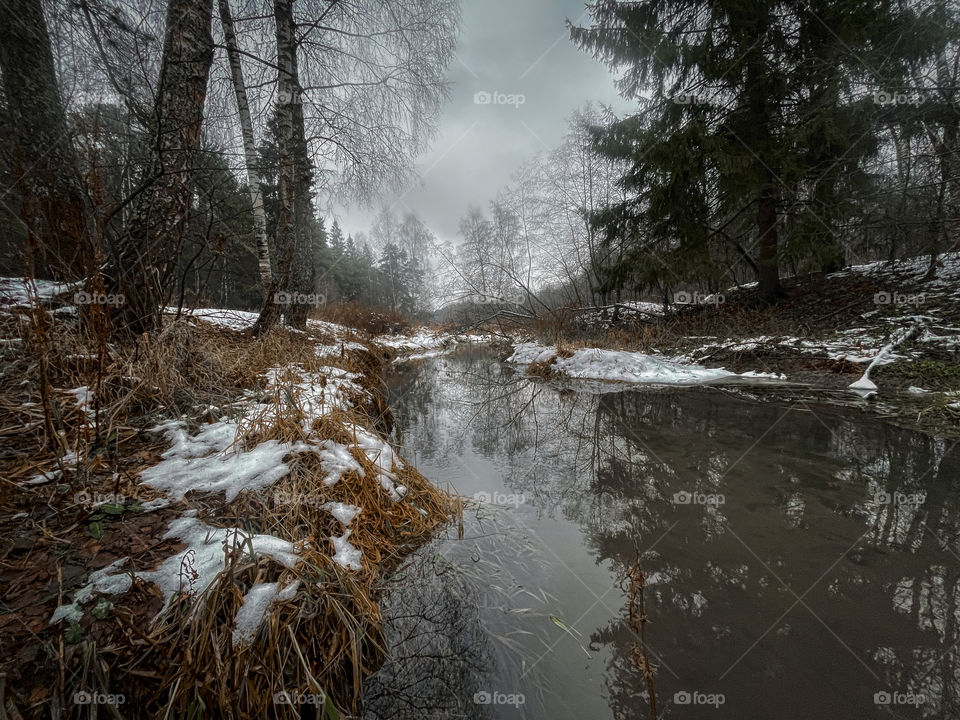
point(769, 276)
point(762, 145)
point(54, 206)
point(150, 249)
point(948, 152)
point(288, 100)
point(249, 147)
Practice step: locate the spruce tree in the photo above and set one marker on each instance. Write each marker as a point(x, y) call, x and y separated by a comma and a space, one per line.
point(751, 110)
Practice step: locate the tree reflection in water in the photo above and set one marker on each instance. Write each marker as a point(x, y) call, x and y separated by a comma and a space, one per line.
point(828, 573)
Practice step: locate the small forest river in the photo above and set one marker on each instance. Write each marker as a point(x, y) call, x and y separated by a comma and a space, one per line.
point(801, 561)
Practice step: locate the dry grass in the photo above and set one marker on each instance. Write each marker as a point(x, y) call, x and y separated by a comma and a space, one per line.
point(361, 317)
point(324, 640)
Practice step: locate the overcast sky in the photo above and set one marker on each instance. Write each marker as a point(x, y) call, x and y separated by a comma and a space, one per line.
point(514, 47)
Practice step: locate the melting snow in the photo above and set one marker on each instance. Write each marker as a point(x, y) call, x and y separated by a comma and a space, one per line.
point(336, 460)
point(256, 605)
point(347, 556)
point(13, 290)
point(102, 581)
point(343, 512)
point(382, 455)
point(195, 568)
point(189, 466)
point(622, 366)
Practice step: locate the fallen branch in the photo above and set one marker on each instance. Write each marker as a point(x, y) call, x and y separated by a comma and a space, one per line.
point(865, 385)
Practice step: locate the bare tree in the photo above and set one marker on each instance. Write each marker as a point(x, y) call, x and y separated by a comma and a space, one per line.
point(368, 80)
point(249, 145)
point(149, 249)
point(289, 122)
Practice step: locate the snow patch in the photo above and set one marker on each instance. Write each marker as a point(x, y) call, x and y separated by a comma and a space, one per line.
point(102, 581)
point(346, 556)
point(187, 465)
point(193, 569)
point(622, 366)
point(343, 512)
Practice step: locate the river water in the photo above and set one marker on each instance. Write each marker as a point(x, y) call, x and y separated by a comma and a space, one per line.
point(797, 560)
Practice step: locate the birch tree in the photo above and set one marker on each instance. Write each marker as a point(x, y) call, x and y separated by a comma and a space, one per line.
point(289, 125)
point(149, 249)
point(249, 145)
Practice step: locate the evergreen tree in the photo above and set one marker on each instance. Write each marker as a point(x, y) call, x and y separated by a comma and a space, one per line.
point(756, 109)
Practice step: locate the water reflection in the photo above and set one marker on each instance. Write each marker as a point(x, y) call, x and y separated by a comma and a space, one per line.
point(801, 561)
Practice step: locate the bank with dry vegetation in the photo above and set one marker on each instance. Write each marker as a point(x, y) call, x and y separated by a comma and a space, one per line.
point(903, 318)
point(196, 525)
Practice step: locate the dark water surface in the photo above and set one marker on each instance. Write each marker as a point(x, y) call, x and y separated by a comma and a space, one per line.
point(800, 561)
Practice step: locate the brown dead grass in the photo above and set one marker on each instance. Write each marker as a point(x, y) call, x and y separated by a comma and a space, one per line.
point(364, 318)
point(323, 641)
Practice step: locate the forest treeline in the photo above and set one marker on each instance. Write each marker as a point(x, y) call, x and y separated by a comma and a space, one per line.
point(770, 139)
point(171, 152)
point(174, 152)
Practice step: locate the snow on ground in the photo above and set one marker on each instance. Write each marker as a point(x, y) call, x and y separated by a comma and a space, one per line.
point(347, 556)
point(106, 581)
point(231, 319)
point(256, 605)
point(226, 470)
point(948, 271)
point(14, 290)
point(382, 455)
point(423, 339)
point(897, 312)
point(192, 570)
point(623, 366)
point(316, 394)
point(624, 310)
point(212, 459)
point(426, 343)
point(249, 617)
point(856, 346)
point(641, 306)
point(84, 396)
point(336, 460)
point(343, 512)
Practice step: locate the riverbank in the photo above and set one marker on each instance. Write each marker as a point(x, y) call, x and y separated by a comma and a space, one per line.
point(821, 337)
point(199, 524)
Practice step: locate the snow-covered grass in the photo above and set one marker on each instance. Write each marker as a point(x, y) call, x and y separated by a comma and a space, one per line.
point(262, 497)
point(214, 460)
